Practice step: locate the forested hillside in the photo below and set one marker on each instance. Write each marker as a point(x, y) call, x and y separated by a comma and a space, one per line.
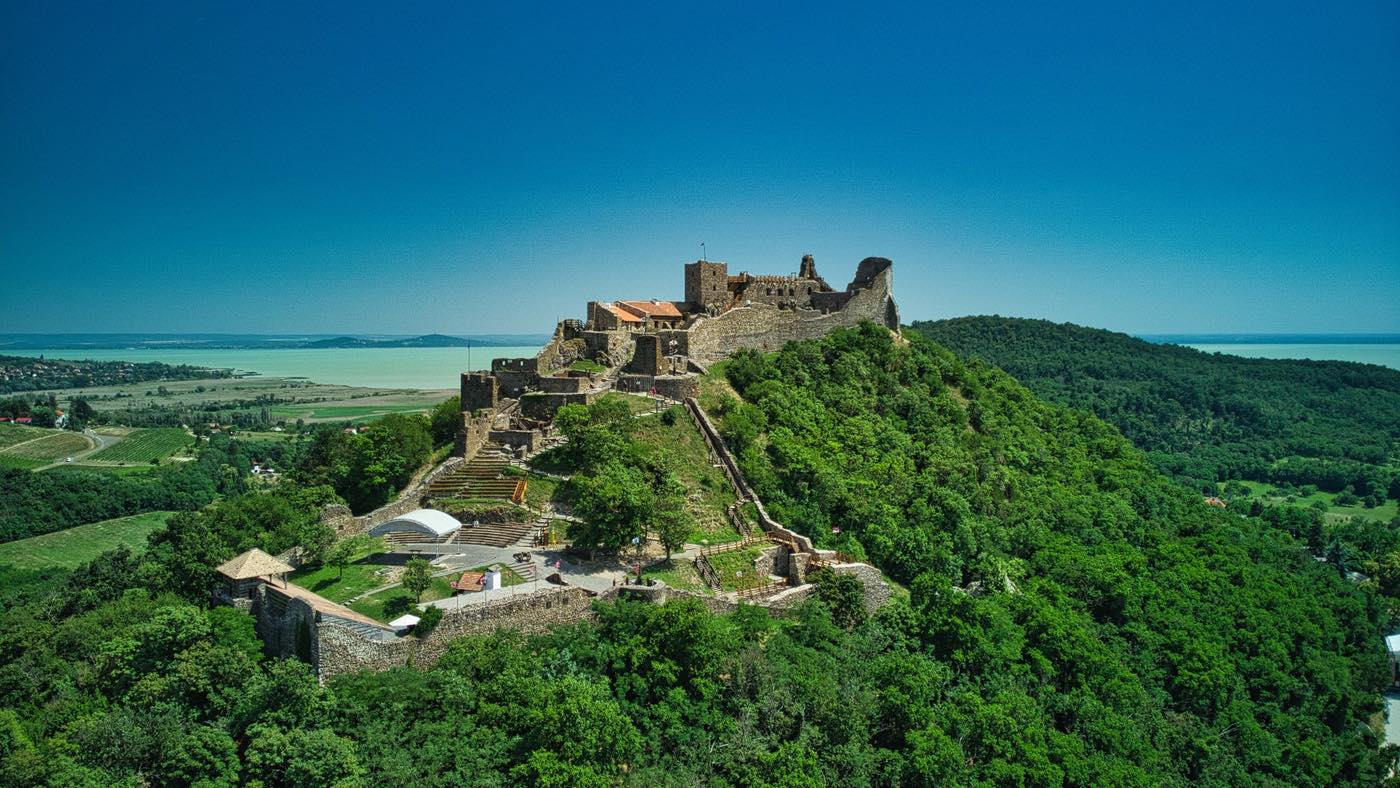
point(1205, 417)
point(1073, 617)
point(1105, 615)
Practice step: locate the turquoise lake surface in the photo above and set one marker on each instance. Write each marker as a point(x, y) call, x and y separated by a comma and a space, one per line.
point(400, 368)
point(438, 368)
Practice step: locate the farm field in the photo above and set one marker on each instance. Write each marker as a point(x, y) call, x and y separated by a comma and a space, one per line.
point(10, 434)
point(47, 447)
point(285, 398)
point(144, 446)
point(69, 548)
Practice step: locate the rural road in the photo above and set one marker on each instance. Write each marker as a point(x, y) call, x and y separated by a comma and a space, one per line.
point(101, 441)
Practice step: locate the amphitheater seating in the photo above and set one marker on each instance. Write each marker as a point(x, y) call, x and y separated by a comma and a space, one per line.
point(494, 534)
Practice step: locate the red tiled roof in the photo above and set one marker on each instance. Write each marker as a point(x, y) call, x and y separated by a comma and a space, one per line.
point(653, 308)
point(622, 314)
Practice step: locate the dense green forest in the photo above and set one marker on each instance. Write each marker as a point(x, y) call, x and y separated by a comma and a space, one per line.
point(1202, 417)
point(1073, 617)
point(30, 373)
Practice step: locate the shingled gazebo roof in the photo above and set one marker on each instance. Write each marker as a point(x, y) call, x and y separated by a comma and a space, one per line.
point(254, 563)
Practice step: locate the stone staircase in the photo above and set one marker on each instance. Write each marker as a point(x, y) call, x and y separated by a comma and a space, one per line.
point(527, 571)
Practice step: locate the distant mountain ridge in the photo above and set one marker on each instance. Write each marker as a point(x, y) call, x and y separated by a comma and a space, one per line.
point(258, 341)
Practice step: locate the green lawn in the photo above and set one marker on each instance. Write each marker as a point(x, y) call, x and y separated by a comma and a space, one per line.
point(441, 588)
point(328, 581)
point(584, 365)
point(634, 402)
point(735, 568)
point(679, 574)
point(73, 546)
point(541, 490)
point(688, 456)
point(143, 446)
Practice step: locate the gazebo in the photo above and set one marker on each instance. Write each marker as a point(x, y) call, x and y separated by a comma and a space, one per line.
point(245, 571)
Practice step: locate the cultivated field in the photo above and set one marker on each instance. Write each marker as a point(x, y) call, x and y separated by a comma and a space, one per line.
point(143, 446)
point(10, 434)
point(294, 398)
point(47, 447)
point(71, 547)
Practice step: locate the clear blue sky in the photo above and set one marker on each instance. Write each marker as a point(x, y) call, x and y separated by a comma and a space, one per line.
point(276, 167)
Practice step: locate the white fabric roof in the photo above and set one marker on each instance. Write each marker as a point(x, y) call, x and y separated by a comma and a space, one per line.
point(406, 620)
point(429, 522)
point(1392, 642)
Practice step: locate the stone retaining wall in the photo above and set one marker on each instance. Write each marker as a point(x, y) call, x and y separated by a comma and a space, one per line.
point(342, 650)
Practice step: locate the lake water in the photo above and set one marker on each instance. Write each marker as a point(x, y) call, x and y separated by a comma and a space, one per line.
point(400, 368)
point(1387, 355)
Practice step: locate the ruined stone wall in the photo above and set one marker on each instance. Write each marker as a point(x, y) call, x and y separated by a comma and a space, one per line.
point(647, 356)
point(775, 290)
point(768, 327)
point(563, 384)
point(529, 440)
point(343, 650)
point(612, 347)
point(480, 391)
point(876, 588)
point(676, 387)
point(741, 485)
point(542, 407)
point(476, 430)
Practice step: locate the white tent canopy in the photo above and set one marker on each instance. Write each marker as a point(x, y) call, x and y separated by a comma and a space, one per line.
point(429, 523)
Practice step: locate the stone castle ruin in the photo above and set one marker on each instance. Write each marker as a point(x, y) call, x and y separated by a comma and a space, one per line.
point(659, 346)
point(645, 346)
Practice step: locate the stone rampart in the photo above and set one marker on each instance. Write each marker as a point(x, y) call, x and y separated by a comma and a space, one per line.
point(285, 624)
point(741, 485)
point(342, 649)
point(769, 327)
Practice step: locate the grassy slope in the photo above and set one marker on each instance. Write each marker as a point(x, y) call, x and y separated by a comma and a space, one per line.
point(73, 546)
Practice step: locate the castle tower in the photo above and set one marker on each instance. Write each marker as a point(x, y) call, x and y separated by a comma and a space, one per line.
point(809, 267)
point(479, 392)
point(706, 285)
